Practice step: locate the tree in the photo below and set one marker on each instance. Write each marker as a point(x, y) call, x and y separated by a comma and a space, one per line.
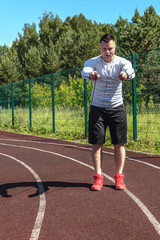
point(50, 28)
point(67, 48)
point(9, 67)
point(30, 38)
point(148, 83)
point(78, 43)
point(125, 36)
point(32, 62)
point(147, 30)
point(49, 57)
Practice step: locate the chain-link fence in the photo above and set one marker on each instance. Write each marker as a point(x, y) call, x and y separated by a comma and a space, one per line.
point(58, 102)
point(148, 94)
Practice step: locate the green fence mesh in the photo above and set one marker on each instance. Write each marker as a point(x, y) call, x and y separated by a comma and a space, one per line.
point(148, 94)
point(58, 103)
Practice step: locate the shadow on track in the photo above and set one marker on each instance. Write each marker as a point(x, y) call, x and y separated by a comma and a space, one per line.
point(46, 185)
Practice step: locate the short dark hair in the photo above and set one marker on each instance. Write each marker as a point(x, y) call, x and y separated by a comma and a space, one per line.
point(107, 38)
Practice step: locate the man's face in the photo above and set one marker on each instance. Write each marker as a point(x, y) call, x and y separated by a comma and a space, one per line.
point(107, 50)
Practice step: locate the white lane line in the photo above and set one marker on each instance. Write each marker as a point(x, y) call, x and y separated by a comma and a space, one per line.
point(42, 204)
point(74, 146)
point(143, 208)
point(135, 160)
point(62, 144)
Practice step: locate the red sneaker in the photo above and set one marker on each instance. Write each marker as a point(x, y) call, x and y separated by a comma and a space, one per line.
point(119, 180)
point(98, 182)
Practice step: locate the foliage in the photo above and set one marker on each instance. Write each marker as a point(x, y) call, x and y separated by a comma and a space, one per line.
point(148, 76)
point(72, 93)
point(41, 95)
point(66, 44)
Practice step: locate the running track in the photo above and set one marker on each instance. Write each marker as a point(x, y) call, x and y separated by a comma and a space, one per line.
point(45, 193)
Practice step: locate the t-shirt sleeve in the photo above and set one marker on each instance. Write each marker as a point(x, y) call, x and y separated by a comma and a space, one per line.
point(127, 67)
point(88, 68)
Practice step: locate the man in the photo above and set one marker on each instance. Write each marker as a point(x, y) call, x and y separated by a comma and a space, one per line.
point(107, 73)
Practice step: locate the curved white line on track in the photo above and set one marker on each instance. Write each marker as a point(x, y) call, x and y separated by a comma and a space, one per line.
point(42, 204)
point(67, 145)
point(144, 209)
point(135, 160)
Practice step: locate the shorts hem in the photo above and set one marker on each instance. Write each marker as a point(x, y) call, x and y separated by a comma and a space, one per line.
point(119, 143)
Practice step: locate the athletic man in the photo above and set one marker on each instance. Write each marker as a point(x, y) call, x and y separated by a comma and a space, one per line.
point(107, 73)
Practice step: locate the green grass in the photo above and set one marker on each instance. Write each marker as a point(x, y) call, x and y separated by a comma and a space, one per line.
point(70, 125)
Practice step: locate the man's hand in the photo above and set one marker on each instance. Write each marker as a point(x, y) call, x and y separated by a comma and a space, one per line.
point(94, 75)
point(122, 76)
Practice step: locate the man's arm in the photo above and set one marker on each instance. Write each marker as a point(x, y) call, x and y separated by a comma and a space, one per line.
point(128, 70)
point(88, 71)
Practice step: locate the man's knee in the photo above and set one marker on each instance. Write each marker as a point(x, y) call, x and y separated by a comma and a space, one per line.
point(96, 147)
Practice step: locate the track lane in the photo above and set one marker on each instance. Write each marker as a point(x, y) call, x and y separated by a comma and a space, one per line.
point(15, 200)
point(108, 192)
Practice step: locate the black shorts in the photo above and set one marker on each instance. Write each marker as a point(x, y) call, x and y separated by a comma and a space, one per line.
point(100, 118)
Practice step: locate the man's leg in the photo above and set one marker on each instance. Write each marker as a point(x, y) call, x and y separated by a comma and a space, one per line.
point(97, 158)
point(119, 154)
point(97, 161)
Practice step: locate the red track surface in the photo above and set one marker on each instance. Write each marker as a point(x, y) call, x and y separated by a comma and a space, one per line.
point(63, 207)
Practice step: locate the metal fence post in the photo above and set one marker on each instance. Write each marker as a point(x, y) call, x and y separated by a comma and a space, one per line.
point(12, 101)
point(86, 108)
point(53, 103)
point(30, 105)
point(134, 100)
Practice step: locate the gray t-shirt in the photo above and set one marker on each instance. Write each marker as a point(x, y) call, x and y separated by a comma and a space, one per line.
point(107, 90)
